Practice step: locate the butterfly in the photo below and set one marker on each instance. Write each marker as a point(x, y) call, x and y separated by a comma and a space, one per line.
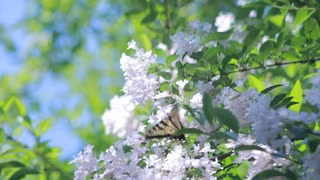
point(167, 127)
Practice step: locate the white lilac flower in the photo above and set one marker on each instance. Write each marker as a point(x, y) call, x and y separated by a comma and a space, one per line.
point(267, 123)
point(139, 85)
point(162, 113)
point(123, 161)
point(237, 103)
point(242, 2)
point(224, 21)
point(119, 120)
point(313, 95)
point(192, 40)
point(181, 84)
point(260, 160)
point(202, 87)
point(86, 163)
point(196, 101)
point(311, 164)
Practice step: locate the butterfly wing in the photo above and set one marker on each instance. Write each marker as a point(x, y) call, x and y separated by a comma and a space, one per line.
point(167, 127)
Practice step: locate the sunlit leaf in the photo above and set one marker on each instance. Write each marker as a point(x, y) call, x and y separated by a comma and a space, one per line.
point(256, 83)
point(297, 94)
point(302, 15)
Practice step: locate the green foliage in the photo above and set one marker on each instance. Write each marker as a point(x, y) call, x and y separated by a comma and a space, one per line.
point(79, 44)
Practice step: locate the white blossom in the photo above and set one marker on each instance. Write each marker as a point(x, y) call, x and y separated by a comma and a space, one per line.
point(139, 85)
point(119, 120)
point(267, 123)
point(202, 87)
point(260, 160)
point(186, 43)
point(86, 163)
point(181, 84)
point(196, 101)
point(224, 21)
point(311, 164)
point(237, 103)
point(313, 95)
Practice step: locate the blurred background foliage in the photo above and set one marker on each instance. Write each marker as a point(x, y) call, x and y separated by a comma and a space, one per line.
point(60, 66)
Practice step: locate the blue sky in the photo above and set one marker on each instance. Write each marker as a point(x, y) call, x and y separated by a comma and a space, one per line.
point(60, 135)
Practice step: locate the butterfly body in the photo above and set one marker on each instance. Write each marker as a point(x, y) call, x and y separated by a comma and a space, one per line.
point(167, 127)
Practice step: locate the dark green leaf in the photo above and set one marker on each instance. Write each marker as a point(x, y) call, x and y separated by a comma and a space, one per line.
point(268, 174)
point(196, 55)
point(190, 110)
point(189, 131)
point(207, 107)
point(165, 75)
point(227, 118)
point(254, 5)
point(150, 17)
point(251, 37)
point(277, 99)
point(127, 148)
point(284, 102)
point(266, 48)
point(268, 89)
point(219, 35)
point(223, 135)
point(291, 104)
point(21, 173)
point(249, 148)
point(10, 164)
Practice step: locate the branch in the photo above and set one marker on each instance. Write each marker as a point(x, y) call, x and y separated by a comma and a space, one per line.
point(310, 61)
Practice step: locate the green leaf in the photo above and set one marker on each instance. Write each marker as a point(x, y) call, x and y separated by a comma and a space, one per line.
point(249, 148)
point(291, 104)
point(302, 15)
point(227, 118)
point(297, 94)
point(279, 18)
point(284, 102)
point(2, 136)
point(10, 164)
point(256, 83)
point(254, 5)
point(196, 55)
point(290, 55)
point(268, 89)
point(268, 174)
point(43, 127)
point(219, 35)
point(26, 122)
point(223, 135)
point(171, 58)
point(150, 17)
point(21, 108)
point(189, 131)
point(21, 173)
point(266, 48)
point(276, 100)
point(251, 37)
point(207, 107)
point(165, 75)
